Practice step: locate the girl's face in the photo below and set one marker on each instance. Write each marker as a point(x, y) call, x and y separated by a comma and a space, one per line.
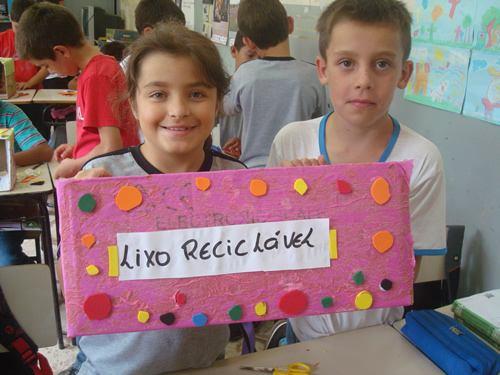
point(175, 108)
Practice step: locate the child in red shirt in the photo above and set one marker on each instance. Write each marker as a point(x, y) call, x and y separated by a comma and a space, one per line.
point(27, 75)
point(50, 36)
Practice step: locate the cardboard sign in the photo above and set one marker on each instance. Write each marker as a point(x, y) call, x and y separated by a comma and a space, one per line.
point(7, 164)
point(194, 249)
point(7, 78)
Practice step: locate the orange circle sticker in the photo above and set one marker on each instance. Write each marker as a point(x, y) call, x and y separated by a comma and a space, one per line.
point(380, 191)
point(258, 187)
point(128, 197)
point(382, 241)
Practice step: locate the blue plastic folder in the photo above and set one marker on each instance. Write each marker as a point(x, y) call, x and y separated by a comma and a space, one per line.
point(449, 344)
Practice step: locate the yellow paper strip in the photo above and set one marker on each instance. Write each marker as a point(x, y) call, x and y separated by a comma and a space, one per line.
point(113, 261)
point(333, 244)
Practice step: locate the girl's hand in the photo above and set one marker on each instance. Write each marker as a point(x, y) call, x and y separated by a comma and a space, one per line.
point(304, 162)
point(67, 169)
point(92, 173)
point(63, 151)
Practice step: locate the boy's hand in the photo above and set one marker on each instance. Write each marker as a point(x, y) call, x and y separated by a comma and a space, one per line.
point(22, 85)
point(94, 172)
point(233, 147)
point(304, 162)
point(63, 151)
point(67, 168)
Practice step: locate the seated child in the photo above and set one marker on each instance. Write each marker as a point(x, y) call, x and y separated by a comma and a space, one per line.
point(28, 76)
point(29, 148)
point(230, 126)
point(274, 89)
point(364, 47)
point(50, 36)
point(176, 101)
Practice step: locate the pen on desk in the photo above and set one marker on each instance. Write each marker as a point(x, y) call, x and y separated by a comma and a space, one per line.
point(38, 165)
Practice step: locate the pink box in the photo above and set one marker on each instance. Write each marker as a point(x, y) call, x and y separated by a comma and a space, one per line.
point(341, 193)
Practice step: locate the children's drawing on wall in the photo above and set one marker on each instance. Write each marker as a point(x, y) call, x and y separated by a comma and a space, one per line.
point(233, 20)
point(488, 25)
point(220, 25)
point(440, 76)
point(448, 22)
point(483, 89)
point(208, 14)
point(187, 7)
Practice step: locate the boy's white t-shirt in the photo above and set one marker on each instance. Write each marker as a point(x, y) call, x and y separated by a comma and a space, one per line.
point(304, 139)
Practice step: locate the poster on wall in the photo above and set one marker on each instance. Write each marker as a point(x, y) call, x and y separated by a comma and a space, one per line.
point(220, 24)
point(187, 7)
point(488, 25)
point(447, 22)
point(233, 20)
point(439, 76)
point(193, 249)
point(482, 99)
point(208, 14)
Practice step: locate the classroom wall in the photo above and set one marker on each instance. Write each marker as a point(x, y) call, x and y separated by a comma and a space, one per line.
point(471, 154)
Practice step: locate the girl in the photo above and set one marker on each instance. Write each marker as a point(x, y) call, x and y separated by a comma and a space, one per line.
point(176, 82)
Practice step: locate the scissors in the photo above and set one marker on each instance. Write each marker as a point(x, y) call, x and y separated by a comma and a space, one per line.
point(296, 368)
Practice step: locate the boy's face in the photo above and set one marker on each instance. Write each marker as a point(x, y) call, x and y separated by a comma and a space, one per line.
point(62, 64)
point(243, 55)
point(363, 68)
point(175, 108)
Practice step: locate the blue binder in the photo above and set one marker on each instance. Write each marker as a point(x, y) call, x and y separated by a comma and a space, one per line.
point(450, 345)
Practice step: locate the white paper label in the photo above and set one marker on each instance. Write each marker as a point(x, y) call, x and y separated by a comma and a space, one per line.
point(274, 246)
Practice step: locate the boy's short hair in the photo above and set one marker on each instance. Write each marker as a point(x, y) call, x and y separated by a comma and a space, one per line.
point(265, 22)
point(388, 12)
point(18, 7)
point(148, 13)
point(44, 26)
point(114, 49)
point(238, 41)
point(177, 40)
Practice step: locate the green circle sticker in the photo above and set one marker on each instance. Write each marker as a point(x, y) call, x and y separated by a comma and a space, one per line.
point(235, 312)
point(327, 302)
point(86, 203)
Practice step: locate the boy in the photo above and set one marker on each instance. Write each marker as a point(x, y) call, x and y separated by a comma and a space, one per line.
point(230, 126)
point(27, 75)
point(364, 47)
point(50, 36)
point(29, 148)
point(149, 13)
point(275, 89)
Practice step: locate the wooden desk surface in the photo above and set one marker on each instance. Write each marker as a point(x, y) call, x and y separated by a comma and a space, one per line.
point(373, 350)
point(25, 188)
point(54, 96)
point(22, 97)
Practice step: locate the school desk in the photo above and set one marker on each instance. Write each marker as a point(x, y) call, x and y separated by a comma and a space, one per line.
point(373, 350)
point(31, 191)
point(55, 96)
point(22, 97)
point(27, 289)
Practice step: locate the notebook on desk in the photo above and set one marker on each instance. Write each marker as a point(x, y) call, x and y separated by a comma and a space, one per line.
point(481, 313)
